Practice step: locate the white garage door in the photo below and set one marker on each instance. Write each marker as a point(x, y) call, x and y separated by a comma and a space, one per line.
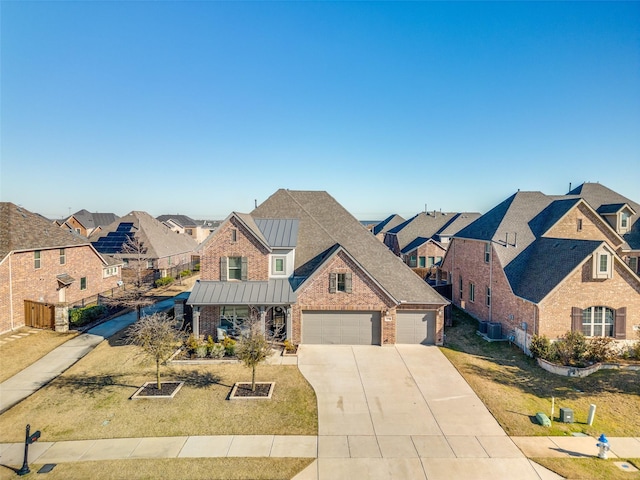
point(341, 328)
point(416, 327)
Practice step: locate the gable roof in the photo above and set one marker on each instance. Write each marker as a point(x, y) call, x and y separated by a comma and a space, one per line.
point(160, 241)
point(23, 230)
point(323, 223)
point(605, 201)
point(387, 224)
point(92, 220)
point(182, 220)
point(429, 225)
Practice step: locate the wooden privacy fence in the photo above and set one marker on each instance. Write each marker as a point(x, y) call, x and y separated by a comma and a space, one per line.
point(39, 315)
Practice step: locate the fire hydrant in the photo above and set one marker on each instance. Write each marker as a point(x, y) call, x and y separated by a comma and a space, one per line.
point(603, 446)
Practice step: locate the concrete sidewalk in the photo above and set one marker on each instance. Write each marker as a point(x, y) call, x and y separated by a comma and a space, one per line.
point(32, 378)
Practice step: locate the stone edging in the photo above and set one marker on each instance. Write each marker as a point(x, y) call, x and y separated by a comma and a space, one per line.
point(568, 371)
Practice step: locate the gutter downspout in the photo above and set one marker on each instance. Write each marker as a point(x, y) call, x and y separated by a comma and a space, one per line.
point(10, 291)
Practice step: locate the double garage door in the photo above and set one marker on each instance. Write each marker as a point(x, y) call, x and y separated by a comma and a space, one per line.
point(341, 327)
point(363, 328)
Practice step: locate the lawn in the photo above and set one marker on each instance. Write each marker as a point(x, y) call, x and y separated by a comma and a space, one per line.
point(188, 468)
point(92, 400)
point(18, 353)
point(514, 388)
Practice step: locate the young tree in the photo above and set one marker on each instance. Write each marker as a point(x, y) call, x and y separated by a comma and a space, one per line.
point(157, 337)
point(253, 347)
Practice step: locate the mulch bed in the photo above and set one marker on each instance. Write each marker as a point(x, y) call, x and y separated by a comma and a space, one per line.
point(166, 390)
point(243, 390)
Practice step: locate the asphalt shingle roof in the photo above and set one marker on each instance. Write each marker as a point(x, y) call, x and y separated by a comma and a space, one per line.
point(23, 230)
point(323, 223)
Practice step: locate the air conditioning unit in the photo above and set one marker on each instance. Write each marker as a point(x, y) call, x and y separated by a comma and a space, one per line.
point(494, 330)
point(482, 327)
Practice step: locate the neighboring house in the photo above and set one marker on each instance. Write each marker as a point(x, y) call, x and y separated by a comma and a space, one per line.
point(142, 242)
point(86, 223)
point(42, 265)
point(302, 262)
point(388, 223)
point(422, 241)
point(545, 265)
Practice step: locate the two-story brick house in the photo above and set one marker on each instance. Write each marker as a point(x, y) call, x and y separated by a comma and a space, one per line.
point(44, 264)
point(539, 264)
point(301, 261)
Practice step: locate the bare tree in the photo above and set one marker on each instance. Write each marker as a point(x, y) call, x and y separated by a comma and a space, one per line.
point(254, 346)
point(134, 294)
point(157, 337)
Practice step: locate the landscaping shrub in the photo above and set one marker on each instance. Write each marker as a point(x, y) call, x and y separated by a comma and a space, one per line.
point(161, 282)
point(290, 347)
point(600, 349)
point(196, 267)
point(217, 350)
point(570, 349)
point(229, 346)
point(82, 316)
point(540, 347)
point(185, 273)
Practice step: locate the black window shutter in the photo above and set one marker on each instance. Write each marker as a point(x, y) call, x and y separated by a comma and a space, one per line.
point(347, 282)
point(576, 319)
point(333, 282)
point(621, 323)
point(223, 269)
point(243, 269)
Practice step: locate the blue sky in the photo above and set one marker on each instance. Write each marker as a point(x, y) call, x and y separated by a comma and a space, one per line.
point(201, 108)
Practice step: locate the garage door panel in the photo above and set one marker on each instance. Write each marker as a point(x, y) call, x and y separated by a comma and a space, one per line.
point(416, 327)
point(339, 327)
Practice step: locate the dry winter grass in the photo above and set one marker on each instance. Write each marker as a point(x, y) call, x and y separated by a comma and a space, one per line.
point(92, 400)
point(514, 388)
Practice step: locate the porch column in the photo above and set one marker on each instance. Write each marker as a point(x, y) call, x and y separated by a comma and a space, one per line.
point(263, 314)
point(287, 322)
point(196, 322)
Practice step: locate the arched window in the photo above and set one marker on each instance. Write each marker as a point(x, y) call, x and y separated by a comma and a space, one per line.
point(598, 322)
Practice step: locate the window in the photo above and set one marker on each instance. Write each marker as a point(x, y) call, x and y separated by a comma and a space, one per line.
point(633, 264)
point(278, 265)
point(602, 264)
point(460, 287)
point(438, 260)
point(431, 261)
point(189, 231)
point(597, 322)
point(488, 297)
point(340, 282)
point(109, 272)
point(150, 264)
point(36, 259)
point(624, 220)
point(412, 261)
point(487, 252)
point(232, 317)
point(83, 283)
point(63, 256)
point(472, 292)
point(234, 235)
point(422, 262)
point(579, 224)
point(170, 260)
point(235, 268)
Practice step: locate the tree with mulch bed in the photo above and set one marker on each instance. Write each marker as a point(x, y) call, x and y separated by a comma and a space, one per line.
point(253, 348)
point(158, 339)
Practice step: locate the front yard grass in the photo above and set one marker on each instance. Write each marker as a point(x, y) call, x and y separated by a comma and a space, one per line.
point(514, 388)
point(16, 354)
point(91, 400)
point(188, 468)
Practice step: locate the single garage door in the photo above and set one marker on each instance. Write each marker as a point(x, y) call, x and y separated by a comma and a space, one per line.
point(341, 328)
point(416, 327)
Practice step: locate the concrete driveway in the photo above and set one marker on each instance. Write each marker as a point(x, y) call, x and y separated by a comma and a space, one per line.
point(404, 412)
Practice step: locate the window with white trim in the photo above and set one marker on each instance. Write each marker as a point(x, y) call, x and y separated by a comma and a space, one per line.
point(487, 252)
point(278, 265)
point(633, 264)
point(63, 256)
point(602, 264)
point(36, 259)
point(234, 268)
point(422, 262)
point(488, 297)
point(598, 322)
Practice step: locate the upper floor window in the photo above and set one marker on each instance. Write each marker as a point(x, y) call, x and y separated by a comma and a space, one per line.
point(598, 322)
point(109, 272)
point(234, 235)
point(460, 287)
point(579, 224)
point(278, 265)
point(36, 259)
point(431, 261)
point(63, 256)
point(487, 252)
point(633, 264)
point(83, 283)
point(624, 221)
point(340, 282)
point(488, 297)
point(602, 264)
point(472, 292)
point(233, 268)
point(412, 261)
point(422, 262)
